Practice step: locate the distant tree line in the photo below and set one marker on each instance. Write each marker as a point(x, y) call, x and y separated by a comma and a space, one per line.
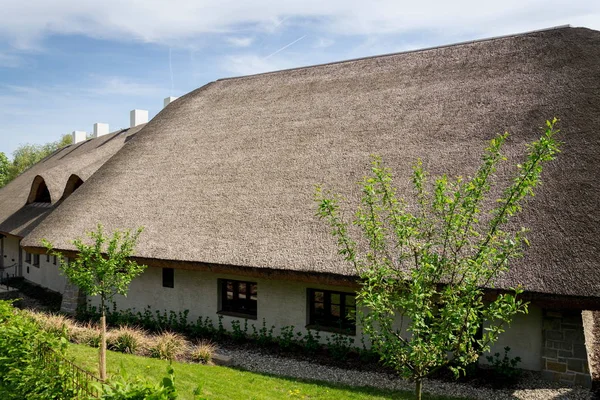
point(26, 156)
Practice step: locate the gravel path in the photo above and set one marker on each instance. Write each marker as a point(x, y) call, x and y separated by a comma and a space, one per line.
point(531, 388)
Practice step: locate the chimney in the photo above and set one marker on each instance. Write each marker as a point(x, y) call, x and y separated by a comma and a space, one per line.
point(100, 129)
point(137, 117)
point(79, 136)
point(168, 100)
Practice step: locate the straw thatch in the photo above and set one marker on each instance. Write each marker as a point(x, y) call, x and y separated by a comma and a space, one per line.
point(226, 174)
point(61, 172)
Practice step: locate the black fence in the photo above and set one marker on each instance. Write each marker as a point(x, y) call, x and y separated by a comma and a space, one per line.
point(79, 382)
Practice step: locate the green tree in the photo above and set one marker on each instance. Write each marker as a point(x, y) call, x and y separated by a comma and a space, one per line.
point(27, 155)
point(103, 269)
point(4, 169)
point(429, 261)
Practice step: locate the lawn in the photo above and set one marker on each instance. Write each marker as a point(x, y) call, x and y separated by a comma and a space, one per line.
point(229, 383)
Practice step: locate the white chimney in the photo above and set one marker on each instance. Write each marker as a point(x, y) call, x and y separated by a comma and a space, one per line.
point(100, 129)
point(79, 136)
point(137, 117)
point(168, 100)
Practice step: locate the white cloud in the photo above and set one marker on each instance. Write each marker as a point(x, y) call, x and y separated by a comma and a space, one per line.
point(114, 85)
point(10, 61)
point(179, 21)
point(240, 41)
point(249, 64)
point(322, 43)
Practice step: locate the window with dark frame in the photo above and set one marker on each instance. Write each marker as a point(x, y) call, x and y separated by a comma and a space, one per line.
point(333, 310)
point(47, 258)
point(239, 297)
point(28, 257)
point(36, 260)
point(168, 279)
point(54, 260)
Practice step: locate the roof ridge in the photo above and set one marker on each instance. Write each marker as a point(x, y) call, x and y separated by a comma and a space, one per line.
point(400, 52)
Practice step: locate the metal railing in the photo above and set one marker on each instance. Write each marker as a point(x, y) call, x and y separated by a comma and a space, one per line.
point(5, 276)
point(80, 383)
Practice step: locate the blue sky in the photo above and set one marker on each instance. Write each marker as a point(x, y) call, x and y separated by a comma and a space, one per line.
point(66, 64)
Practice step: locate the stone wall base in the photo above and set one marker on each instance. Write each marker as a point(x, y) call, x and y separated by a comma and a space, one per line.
point(73, 298)
point(564, 352)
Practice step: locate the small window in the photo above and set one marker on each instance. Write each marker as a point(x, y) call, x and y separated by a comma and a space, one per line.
point(239, 297)
point(47, 258)
point(36, 260)
point(28, 258)
point(334, 310)
point(168, 277)
point(54, 260)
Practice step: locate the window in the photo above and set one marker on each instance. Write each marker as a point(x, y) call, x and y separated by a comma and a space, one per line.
point(335, 310)
point(36, 260)
point(54, 260)
point(238, 297)
point(47, 258)
point(168, 277)
point(28, 257)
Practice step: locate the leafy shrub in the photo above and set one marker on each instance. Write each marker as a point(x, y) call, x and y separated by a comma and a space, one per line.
point(504, 369)
point(264, 335)
point(127, 340)
point(311, 343)
point(29, 359)
point(287, 338)
point(203, 328)
point(238, 334)
point(203, 351)
point(339, 346)
point(168, 346)
point(124, 388)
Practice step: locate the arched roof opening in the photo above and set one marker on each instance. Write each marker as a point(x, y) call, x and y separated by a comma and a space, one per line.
point(72, 185)
point(39, 192)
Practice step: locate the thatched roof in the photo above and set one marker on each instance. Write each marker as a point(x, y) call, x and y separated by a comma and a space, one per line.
point(59, 172)
point(226, 174)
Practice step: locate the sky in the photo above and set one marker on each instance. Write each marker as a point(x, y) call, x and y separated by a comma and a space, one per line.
point(66, 64)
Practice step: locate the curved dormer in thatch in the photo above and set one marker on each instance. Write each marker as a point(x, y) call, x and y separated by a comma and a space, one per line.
point(39, 192)
point(225, 175)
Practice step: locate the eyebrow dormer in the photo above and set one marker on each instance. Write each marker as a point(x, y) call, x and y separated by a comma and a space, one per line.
point(39, 192)
point(72, 185)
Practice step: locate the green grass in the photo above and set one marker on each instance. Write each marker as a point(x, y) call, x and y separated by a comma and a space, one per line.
point(228, 383)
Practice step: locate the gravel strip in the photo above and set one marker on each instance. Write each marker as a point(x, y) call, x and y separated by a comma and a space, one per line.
point(532, 387)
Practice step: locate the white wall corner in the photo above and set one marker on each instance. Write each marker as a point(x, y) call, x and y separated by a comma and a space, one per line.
point(79, 136)
point(100, 129)
point(168, 100)
point(137, 117)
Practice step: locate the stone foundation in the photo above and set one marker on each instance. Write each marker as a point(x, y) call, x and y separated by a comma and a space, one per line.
point(72, 299)
point(564, 353)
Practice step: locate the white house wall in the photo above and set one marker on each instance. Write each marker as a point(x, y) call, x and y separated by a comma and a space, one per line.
point(284, 303)
point(46, 275)
point(11, 254)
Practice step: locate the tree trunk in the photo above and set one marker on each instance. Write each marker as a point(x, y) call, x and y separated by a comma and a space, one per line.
point(103, 347)
point(418, 388)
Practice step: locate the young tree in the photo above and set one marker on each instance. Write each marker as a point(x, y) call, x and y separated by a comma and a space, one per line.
point(4, 169)
point(102, 269)
point(27, 155)
point(429, 262)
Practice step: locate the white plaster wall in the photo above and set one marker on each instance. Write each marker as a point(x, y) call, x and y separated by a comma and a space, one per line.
point(11, 253)
point(50, 275)
point(524, 337)
point(280, 303)
point(284, 303)
point(46, 275)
